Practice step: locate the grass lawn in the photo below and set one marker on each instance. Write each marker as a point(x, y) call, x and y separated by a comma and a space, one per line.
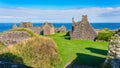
point(80, 52)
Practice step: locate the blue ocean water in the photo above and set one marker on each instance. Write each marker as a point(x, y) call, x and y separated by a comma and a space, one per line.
point(112, 26)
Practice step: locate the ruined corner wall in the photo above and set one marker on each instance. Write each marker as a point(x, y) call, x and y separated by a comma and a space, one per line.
point(83, 30)
point(37, 30)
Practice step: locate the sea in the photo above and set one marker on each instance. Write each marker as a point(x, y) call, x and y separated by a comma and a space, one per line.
point(112, 26)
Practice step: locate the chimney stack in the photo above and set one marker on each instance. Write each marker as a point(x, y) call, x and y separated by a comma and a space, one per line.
point(84, 17)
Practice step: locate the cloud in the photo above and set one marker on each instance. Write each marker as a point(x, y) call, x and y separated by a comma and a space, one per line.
point(6, 16)
point(95, 14)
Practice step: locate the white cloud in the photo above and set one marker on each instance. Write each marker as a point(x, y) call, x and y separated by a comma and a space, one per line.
point(108, 14)
point(6, 16)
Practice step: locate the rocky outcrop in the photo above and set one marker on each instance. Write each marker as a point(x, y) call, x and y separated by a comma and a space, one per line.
point(14, 37)
point(82, 30)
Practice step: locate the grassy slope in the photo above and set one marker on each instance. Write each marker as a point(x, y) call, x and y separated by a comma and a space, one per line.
point(37, 51)
point(80, 52)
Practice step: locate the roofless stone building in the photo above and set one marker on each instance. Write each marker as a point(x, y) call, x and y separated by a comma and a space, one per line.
point(82, 30)
point(25, 24)
point(48, 28)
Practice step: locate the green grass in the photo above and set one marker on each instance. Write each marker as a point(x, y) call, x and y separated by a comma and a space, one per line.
point(80, 52)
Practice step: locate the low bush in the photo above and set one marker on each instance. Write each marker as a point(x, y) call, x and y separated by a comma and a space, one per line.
point(105, 35)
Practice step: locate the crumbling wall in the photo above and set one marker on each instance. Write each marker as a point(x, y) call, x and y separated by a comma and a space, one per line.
point(113, 56)
point(83, 30)
point(38, 30)
point(48, 28)
point(14, 37)
point(25, 24)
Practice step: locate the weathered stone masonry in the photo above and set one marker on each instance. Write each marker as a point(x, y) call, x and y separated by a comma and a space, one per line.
point(82, 29)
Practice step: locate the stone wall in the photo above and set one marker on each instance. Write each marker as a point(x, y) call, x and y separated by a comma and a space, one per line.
point(14, 26)
point(14, 37)
point(114, 53)
point(25, 24)
point(62, 29)
point(37, 30)
point(48, 28)
point(82, 30)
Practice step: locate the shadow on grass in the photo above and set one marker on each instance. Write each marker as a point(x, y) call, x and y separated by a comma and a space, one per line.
point(98, 51)
point(8, 60)
point(66, 37)
point(86, 61)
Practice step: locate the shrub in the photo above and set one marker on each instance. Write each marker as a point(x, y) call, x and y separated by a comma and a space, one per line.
point(105, 34)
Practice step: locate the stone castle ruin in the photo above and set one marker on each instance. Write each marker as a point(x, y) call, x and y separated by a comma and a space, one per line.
point(46, 29)
point(26, 24)
point(82, 30)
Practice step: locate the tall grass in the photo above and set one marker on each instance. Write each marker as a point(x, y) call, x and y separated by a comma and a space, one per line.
point(37, 51)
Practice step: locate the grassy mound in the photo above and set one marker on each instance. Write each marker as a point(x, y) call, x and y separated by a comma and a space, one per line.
point(37, 52)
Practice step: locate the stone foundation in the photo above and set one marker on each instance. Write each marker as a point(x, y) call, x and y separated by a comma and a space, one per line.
point(14, 37)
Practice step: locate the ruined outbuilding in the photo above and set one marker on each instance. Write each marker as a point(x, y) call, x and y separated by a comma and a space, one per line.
point(25, 24)
point(48, 28)
point(14, 26)
point(62, 29)
point(82, 29)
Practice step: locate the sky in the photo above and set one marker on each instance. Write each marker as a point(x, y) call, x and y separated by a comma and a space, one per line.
point(15, 11)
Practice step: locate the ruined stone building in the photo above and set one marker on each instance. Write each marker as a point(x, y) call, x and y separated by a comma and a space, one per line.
point(25, 24)
point(14, 26)
point(82, 29)
point(62, 29)
point(37, 30)
point(45, 29)
point(48, 28)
